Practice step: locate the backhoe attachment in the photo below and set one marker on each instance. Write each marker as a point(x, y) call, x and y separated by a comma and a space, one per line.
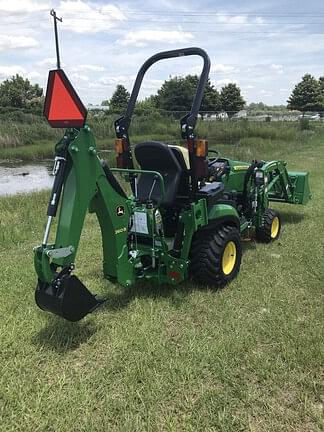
point(60, 292)
point(67, 297)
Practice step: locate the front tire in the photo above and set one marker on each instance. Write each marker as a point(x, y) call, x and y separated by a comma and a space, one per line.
point(271, 226)
point(216, 256)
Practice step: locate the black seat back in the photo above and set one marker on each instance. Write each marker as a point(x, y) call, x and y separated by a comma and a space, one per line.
point(184, 179)
point(157, 156)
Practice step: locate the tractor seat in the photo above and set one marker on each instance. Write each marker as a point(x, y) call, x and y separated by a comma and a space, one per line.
point(182, 155)
point(157, 156)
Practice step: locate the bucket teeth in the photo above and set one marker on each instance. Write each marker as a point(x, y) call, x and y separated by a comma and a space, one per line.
point(67, 297)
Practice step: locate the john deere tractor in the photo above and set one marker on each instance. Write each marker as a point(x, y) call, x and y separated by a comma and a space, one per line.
point(183, 217)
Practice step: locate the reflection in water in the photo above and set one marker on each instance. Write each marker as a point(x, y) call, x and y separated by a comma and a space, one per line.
point(25, 178)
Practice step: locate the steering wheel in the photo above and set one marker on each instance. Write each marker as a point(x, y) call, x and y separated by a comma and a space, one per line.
point(214, 159)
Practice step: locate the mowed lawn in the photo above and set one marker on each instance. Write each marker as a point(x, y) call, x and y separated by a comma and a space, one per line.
point(246, 358)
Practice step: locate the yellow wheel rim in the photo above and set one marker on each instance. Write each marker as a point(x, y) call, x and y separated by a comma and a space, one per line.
point(229, 258)
point(275, 227)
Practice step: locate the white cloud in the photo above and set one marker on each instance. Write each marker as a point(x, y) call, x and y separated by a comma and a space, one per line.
point(12, 70)
point(114, 80)
point(266, 93)
point(277, 68)
point(9, 71)
point(82, 17)
point(18, 7)
point(217, 68)
point(230, 19)
point(49, 62)
point(13, 42)
point(259, 20)
point(88, 67)
point(95, 85)
point(33, 75)
point(113, 12)
point(222, 68)
point(226, 81)
point(149, 85)
point(144, 37)
point(152, 84)
point(80, 77)
point(237, 20)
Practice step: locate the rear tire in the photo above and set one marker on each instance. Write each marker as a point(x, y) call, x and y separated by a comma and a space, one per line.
point(216, 256)
point(271, 226)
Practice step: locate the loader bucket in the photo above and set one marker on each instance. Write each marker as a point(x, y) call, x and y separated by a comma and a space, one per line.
point(71, 300)
point(300, 181)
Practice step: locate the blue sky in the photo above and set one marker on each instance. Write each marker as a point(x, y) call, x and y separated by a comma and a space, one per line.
point(264, 46)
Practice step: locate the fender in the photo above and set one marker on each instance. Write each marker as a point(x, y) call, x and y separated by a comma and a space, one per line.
point(221, 213)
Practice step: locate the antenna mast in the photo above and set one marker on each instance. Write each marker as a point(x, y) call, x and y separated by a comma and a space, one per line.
point(55, 18)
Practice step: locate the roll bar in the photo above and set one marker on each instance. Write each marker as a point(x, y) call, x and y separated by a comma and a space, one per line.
point(187, 122)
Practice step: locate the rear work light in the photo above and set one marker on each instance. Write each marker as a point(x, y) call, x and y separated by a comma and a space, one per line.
point(201, 148)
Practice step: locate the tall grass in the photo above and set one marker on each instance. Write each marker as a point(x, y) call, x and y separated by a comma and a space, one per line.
point(32, 138)
point(14, 134)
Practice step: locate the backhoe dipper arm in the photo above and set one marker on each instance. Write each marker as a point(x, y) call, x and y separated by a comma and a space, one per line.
point(85, 186)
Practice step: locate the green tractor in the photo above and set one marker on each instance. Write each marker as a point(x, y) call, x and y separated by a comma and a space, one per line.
point(184, 216)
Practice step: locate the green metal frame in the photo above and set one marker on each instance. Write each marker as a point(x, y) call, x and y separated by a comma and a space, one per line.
point(279, 185)
point(86, 188)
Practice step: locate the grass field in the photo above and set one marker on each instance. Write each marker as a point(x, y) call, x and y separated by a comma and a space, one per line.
point(246, 358)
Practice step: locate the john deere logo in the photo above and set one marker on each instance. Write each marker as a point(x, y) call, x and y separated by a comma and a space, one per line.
point(120, 210)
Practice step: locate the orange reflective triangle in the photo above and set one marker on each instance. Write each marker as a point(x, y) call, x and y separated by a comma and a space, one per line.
point(63, 107)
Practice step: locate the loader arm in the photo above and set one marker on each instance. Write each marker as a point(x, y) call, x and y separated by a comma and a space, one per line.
point(284, 186)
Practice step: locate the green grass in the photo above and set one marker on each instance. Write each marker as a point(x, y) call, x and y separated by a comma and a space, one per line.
point(246, 358)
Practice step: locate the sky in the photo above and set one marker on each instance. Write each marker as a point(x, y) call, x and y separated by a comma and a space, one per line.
point(263, 46)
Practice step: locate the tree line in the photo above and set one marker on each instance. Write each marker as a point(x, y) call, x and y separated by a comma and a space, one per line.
point(19, 93)
point(175, 96)
point(308, 95)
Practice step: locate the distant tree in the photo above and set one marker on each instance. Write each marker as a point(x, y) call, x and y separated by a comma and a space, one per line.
point(321, 83)
point(119, 100)
point(307, 95)
point(259, 108)
point(231, 99)
point(211, 99)
point(146, 106)
point(176, 94)
point(18, 92)
point(105, 102)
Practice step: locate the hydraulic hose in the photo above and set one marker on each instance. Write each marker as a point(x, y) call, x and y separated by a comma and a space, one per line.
point(248, 174)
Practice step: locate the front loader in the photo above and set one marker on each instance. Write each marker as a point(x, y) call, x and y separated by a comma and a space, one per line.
point(184, 217)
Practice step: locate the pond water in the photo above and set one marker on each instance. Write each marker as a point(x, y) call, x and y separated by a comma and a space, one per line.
point(23, 178)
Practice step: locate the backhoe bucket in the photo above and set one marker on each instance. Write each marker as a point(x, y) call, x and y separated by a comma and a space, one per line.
point(70, 300)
